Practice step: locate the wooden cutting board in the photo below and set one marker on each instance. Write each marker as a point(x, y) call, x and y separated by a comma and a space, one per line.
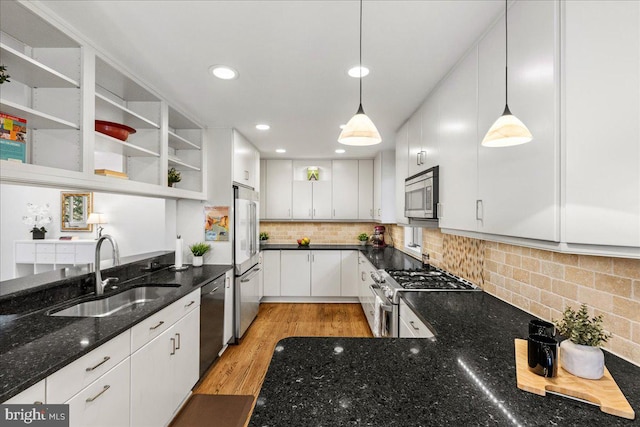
point(603, 392)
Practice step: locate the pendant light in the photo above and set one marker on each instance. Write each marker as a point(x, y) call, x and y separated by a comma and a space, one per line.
point(508, 130)
point(360, 130)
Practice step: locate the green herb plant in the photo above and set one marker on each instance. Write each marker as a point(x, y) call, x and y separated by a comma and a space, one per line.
point(4, 77)
point(264, 235)
point(363, 237)
point(173, 176)
point(200, 248)
point(580, 329)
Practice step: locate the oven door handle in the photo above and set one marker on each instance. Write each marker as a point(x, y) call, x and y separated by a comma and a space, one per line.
point(377, 291)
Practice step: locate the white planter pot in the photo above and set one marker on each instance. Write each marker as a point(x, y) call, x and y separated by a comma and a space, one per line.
point(197, 261)
point(582, 360)
point(363, 242)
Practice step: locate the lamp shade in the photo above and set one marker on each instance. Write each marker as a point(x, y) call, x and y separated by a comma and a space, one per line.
point(360, 131)
point(97, 218)
point(507, 131)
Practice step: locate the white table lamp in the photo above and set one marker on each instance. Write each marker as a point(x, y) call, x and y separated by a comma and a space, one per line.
point(99, 219)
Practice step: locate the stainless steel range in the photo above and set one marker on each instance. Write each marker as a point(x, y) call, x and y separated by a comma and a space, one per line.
point(390, 284)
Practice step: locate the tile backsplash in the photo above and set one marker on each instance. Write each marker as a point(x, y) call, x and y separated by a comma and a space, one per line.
point(544, 282)
point(318, 232)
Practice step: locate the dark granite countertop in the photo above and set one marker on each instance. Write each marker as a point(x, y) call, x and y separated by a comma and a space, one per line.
point(312, 246)
point(34, 345)
point(465, 376)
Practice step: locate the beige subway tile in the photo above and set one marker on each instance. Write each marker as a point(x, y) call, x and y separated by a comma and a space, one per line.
point(540, 281)
point(512, 285)
point(513, 259)
point(636, 290)
point(530, 292)
point(613, 284)
point(490, 265)
point(566, 259)
point(579, 276)
point(503, 294)
point(489, 287)
point(505, 270)
point(627, 308)
point(624, 348)
point(555, 315)
point(520, 301)
point(596, 299)
point(551, 269)
point(627, 267)
point(540, 310)
point(596, 263)
point(635, 332)
point(496, 279)
point(531, 264)
point(552, 301)
point(541, 254)
point(565, 289)
point(504, 247)
point(521, 275)
point(618, 326)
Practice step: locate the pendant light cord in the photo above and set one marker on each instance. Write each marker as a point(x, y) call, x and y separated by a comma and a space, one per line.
point(506, 56)
point(360, 53)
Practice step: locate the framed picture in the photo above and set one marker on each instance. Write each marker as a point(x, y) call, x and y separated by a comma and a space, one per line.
point(216, 223)
point(75, 210)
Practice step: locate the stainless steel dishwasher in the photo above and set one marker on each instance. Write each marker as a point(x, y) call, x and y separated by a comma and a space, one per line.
point(211, 322)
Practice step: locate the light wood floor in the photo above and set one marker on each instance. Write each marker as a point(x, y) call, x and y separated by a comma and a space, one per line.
point(241, 368)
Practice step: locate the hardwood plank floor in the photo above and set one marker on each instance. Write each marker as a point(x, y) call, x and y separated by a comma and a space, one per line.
point(241, 368)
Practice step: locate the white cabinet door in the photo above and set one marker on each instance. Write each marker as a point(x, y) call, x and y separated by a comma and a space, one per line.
point(415, 142)
point(271, 270)
point(105, 402)
point(384, 166)
point(302, 200)
point(602, 105)
point(263, 189)
point(459, 146)
point(295, 278)
point(279, 177)
point(349, 274)
point(402, 171)
point(325, 273)
point(244, 161)
point(430, 143)
point(377, 187)
point(519, 186)
point(365, 189)
point(228, 307)
point(345, 189)
point(322, 200)
point(33, 395)
point(186, 360)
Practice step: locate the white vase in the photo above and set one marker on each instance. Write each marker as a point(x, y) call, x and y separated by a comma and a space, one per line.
point(197, 261)
point(582, 360)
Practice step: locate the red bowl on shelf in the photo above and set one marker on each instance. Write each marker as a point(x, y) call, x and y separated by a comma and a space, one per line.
point(115, 130)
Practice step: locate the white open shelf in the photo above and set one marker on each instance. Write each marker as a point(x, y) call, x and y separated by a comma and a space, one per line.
point(129, 150)
point(180, 143)
point(180, 165)
point(134, 119)
point(31, 72)
point(35, 119)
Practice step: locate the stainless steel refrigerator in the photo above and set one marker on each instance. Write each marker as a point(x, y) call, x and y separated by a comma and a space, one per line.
point(246, 252)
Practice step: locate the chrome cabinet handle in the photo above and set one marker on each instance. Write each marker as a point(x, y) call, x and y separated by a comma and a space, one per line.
point(173, 346)
point(314, 212)
point(313, 258)
point(413, 325)
point(479, 209)
point(362, 276)
point(418, 158)
point(193, 302)
point(439, 210)
point(38, 402)
point(178, 345)
point(226, 279)
point(96, 366)
point(246, 175)
point(371, 213)
point(379, 212)
point(214, 289)
point(105, 388)
point(158, 325)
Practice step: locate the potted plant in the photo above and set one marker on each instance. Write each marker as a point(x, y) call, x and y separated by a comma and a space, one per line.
point(198, 250)
point(38, 217)
point(580, 353)
point(173, 176)
point(363, 238)
point(264, 236)
point(4, 77)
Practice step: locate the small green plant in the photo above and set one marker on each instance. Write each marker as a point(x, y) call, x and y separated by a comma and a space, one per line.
point(580, 329)
point(4, 77)
point(199, 249)
point(363, 237)
point(264, 235)
point(173, 176)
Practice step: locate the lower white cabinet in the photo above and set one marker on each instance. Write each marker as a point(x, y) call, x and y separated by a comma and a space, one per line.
point(163, 372)
point(325, 273)
point(105, 402)
point(295, 273)
point(410, 325)
point(349, 273)
point(33, 395)
point(271, 272)
point(365, 268)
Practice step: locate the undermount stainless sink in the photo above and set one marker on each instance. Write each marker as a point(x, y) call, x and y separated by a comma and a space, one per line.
point(118, 304)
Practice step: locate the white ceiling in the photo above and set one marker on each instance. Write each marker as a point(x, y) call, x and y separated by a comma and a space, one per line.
point(292, 57)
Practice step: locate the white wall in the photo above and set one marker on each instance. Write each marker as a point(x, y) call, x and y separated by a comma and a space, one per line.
point(139, 224)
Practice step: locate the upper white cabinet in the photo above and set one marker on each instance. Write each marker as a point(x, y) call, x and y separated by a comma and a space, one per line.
point(402, 170)
point(278, 188)
point(384, 196)
point(459, 145)
point(345, 189)
point(601, 107)
point(246, 162)
point(311, 198)
point(365, 189)
point(430, 136)
point(519, 186)
point(414, 138)
point(60, 85)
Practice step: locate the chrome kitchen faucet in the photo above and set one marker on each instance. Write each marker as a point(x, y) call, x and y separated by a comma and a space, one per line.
point(101, 284)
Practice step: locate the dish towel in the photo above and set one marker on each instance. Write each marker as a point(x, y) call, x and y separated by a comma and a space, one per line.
point(377, 320)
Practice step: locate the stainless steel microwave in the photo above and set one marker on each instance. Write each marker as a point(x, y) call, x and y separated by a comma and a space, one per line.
point(421, 195)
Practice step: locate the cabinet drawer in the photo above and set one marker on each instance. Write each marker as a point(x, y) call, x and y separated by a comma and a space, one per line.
point(69, 380)
point(45, 248)
point(65, 249)
point(153, 326)
point(65, 258)
point(33, 395)
point(45, 258)
point(414, 324)
point(106, 402)
point(25, 253)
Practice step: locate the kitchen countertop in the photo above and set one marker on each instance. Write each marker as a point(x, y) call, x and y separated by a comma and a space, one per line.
point(465, 376)
point(33, 346)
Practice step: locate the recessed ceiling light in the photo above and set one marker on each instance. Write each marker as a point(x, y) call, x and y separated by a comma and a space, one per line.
point(340, 151)
point(263, 127)
point(358, 72)
point(223, 72)
point(281, 150)
point(342, 126)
